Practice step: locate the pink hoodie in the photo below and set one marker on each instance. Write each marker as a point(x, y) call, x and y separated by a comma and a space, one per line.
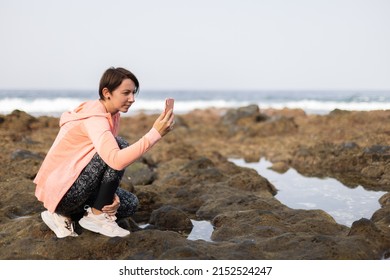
point(87, 130)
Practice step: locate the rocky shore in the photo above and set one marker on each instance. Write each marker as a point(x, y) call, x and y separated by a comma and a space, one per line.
point(188, 176)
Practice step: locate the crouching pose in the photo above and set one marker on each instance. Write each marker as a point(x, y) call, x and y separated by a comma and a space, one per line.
point(81, 172)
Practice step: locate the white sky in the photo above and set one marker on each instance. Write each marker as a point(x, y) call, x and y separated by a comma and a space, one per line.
point(198, 44)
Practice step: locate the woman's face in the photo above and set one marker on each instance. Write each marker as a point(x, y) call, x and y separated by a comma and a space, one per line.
point(122, 97)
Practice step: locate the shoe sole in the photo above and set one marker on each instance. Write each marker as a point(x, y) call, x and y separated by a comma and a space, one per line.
point(49, 222)
point(91, 227)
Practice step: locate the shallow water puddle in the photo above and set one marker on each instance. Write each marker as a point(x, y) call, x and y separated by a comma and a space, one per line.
point(344, 204)
point(201, 230)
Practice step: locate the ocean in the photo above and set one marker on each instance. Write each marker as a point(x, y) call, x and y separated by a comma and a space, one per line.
point(54, 102)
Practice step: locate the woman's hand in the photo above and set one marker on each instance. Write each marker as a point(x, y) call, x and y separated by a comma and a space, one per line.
point(164, 122)
point(112, 208)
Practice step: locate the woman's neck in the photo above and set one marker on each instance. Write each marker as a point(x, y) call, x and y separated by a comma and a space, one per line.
point(107, 107)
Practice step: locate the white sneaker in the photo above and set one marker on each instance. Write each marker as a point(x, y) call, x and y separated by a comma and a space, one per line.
point(62, 226)
point(103, 224)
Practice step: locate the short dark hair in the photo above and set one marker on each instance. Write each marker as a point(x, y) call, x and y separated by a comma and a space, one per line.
point(113, 77)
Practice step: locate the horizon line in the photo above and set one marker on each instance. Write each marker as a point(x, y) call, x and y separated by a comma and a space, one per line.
point(205, 90)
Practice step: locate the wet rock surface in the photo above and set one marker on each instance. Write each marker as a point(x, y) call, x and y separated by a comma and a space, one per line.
point(188, 176)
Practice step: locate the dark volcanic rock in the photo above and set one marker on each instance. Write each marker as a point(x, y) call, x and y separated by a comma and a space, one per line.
point(187, 176)
point(139, 173)
point(170, 218)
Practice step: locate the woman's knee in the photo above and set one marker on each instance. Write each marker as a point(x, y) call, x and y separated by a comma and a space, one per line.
point(128, 203)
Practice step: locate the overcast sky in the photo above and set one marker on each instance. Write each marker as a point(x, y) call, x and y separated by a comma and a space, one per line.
point(199, 44)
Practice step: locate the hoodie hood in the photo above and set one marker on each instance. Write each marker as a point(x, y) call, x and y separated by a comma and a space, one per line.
point(89, 109)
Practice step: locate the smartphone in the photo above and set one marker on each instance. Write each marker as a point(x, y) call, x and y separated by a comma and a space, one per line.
point(169, 102)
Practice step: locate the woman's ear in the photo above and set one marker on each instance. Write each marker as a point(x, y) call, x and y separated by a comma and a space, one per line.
point(106, 94)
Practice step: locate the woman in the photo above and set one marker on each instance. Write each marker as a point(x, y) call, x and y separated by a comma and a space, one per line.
point(83, 168)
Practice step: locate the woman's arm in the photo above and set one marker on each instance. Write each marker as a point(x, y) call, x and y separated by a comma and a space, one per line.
point(98, 130)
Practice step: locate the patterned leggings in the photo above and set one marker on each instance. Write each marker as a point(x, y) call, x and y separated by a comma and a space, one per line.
point(85, 189)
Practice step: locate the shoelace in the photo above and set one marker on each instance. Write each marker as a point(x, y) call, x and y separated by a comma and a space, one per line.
point(110, 218)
